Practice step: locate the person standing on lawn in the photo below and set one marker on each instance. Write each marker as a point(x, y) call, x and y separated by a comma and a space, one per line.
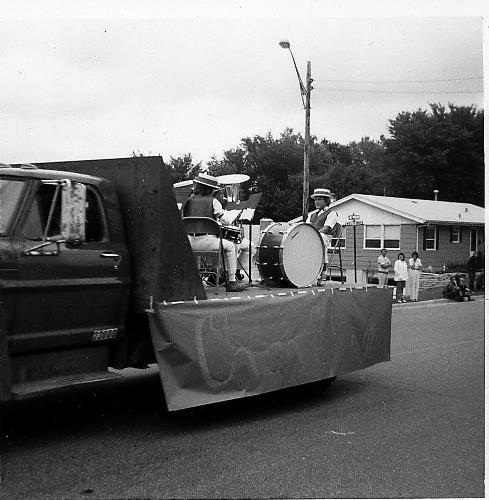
point(400, 276)
point(475, 265)
point(414, 271)
point(383, 264)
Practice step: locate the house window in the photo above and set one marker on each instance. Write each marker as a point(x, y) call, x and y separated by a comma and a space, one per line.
point(372, 237)
point(383, 236)
point(455, 234)
point(430, 238)
point(392, 237)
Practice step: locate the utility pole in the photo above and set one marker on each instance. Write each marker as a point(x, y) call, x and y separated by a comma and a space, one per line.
point(306, 102)
point(307, 144)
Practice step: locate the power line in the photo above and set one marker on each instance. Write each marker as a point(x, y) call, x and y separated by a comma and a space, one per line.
point(403, 81)
point(401, 91)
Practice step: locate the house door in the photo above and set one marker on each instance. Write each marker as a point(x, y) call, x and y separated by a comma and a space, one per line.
point(476, 239)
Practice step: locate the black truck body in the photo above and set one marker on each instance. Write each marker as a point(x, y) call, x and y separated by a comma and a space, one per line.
point(70, 309)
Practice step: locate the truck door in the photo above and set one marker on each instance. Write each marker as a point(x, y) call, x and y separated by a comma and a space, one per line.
point(68, 293)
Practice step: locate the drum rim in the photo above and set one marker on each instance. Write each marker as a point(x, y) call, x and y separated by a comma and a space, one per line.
point(284, 236)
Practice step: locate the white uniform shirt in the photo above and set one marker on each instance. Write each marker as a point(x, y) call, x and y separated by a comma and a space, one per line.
point(217, 208)
point(331, 219)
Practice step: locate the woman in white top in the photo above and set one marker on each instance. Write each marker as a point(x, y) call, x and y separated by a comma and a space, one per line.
point(400, 276)
point(414, 270)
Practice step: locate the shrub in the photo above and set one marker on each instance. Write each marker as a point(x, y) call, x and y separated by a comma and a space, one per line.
point(455, 267)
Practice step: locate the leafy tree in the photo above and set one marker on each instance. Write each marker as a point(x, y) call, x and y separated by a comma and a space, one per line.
point(183, 168)
point(438, 149)
point(428, 149)
point(233, 162)
point(367, 153)
point(275, 167)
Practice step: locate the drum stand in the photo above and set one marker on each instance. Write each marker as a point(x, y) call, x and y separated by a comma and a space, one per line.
point(250, 204)
point(248, 274)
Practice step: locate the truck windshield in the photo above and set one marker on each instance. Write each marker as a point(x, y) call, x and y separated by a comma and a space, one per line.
point(10, 192)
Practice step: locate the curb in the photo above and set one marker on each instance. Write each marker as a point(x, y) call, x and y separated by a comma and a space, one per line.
point(476, 298)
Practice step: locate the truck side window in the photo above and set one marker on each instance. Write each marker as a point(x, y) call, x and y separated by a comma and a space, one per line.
point(46, 196)
point(94, 222)
point(37, 217)
point(32, 228)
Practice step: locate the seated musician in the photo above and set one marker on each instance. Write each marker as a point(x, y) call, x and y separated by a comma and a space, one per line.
point(324, 220)
point(202, 203)
point(244, 245)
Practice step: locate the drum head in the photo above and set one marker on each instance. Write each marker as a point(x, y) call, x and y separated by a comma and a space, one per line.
point(233, 178)
point(303, 255)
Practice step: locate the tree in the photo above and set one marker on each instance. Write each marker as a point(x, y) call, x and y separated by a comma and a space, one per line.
point(233, 162)
point(275, 167)
point(183, 168)
point(438, 149)
point(428, 149)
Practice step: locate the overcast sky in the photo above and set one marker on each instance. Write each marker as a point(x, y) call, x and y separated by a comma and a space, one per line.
point(102, 83)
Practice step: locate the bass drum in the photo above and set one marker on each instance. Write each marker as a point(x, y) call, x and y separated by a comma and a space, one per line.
point(290, 254)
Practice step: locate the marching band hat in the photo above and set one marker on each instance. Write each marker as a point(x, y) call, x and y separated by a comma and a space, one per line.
point(207, 180)
point(321, 193)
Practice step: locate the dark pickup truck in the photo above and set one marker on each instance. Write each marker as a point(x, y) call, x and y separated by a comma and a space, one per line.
point(81, 256)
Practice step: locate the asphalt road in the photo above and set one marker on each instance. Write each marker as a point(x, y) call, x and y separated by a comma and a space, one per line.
point(413, 427)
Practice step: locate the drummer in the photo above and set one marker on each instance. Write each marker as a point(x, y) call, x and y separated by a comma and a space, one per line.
point(322, 219)
point(202, 203)
point(244, 246)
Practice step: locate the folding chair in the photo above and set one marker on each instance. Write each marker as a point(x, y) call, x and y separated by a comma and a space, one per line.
point(210, 263)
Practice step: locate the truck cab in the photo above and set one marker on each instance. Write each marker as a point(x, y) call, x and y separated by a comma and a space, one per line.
point(64, 278)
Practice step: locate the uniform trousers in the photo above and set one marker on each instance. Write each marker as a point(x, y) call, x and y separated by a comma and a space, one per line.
point(209, 242)
point(327, 242)
point(243, 252)
point(231, 252)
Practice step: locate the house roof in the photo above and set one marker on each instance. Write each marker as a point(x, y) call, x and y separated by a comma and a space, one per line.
point(422, 211)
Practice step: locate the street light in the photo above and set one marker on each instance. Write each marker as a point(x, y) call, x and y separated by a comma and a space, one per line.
point(306, 103)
